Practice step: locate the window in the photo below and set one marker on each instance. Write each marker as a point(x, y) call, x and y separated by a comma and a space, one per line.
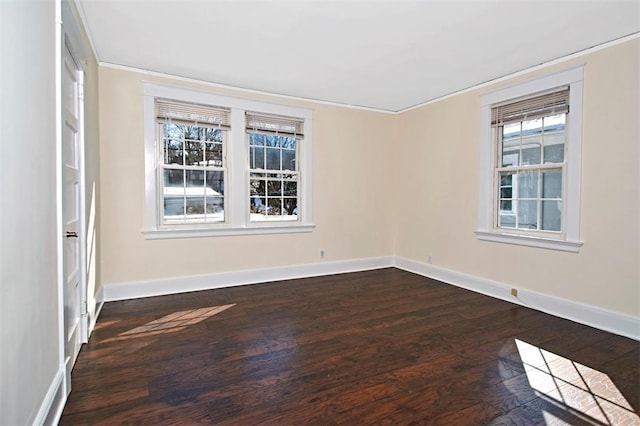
point(530, 163)
point(193, 167)
point(273, 166)
point(218, 165)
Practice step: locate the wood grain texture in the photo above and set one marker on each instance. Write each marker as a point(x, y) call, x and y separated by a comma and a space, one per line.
point(375, 347)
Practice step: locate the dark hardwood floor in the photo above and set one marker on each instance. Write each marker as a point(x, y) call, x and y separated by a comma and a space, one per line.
point(375, 347)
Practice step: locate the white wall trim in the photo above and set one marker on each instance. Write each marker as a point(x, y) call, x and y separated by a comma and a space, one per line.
point(237, 221)
point(360, 107)
point(488, 229)
point(53, 402)
point(237, 88)
point(148, 288)
point(97, 309)
point(603, 319)
point(525, 71)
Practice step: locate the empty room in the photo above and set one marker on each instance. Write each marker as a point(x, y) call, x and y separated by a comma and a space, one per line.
point(320, 212)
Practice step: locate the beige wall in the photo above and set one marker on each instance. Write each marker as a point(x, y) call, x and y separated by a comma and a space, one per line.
point(437, 176)
point(351, 187)
point(404, 185)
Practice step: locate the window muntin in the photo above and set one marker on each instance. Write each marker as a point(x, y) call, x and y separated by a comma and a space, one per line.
point(531, 156)
point(273, 166)
point(273, 177)
point(191, 166)
point(192, 173)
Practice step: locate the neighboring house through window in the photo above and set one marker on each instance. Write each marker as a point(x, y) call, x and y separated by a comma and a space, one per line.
point(218, 165)
point(530, 163)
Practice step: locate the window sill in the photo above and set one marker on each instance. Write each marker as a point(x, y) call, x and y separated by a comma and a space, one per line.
point(530, 241)
point(168, 233)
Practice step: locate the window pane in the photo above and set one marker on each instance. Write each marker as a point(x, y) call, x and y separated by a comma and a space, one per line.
point(214, 193)
point(173, 177)
point(274, 188)
point(214, 135)
point(213, 154)
point(528, 184)
point(195, 207)
point(290, 207)
point(506, 192)
point(194, 153)
point(257, 158)
point(288, 159)
point(511, 130)
point(215, 181)
point(553, 147)
point(256, 139)
point(258, 204)
point(195, 179)
point(173, 151)
point(173, 131)
point(258, 196)
point(273, 158)
point(193, 133)
point(531, 150)
point(531, 127)
point(506, 221)
point(510, 152)
point(195, 192)
point(506, 179)
point(291, 189)
point(173, 207)
point(551, 215)
point(555, 122)
point(528, 214)
point(274, 206)
point(174, 194)
point(552, 184)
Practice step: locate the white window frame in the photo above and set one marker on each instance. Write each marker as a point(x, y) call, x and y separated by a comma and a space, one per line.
point(569, 239)
point(237, 178)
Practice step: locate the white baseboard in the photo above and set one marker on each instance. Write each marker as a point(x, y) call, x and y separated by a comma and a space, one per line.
point(97, 310)
point(603, 319)
point(617, 323)
point(53, 403)
point(147, 288)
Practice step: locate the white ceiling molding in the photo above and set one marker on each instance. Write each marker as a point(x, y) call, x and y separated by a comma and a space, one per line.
point(382, 55)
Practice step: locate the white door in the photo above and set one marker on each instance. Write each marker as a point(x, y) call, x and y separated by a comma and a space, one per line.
point(71, 210)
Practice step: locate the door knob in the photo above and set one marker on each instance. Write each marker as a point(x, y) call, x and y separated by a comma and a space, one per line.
point(71, 234)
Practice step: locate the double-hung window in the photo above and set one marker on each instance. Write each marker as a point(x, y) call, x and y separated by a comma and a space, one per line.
point(218, 165)
point(192, 166)
point(530, 163)
point(273, 166)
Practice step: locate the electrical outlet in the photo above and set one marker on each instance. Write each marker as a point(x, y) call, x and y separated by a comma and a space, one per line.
point(514, 292)
point(321, 253)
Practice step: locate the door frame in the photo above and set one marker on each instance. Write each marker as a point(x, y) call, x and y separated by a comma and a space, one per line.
point(69, 41)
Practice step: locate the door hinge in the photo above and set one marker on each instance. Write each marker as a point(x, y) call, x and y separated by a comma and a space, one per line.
point(81, 92)
point(84, 308)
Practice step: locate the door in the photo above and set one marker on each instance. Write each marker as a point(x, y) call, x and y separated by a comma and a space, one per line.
point(73, 292)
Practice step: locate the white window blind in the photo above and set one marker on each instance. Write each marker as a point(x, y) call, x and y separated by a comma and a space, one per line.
point(551, 103)
point(187, 113)
point(275, 125)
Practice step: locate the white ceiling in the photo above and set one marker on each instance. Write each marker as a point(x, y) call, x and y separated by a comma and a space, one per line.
point(387, 55)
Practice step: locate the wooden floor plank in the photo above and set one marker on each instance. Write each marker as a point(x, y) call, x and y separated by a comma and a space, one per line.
point(381, 347)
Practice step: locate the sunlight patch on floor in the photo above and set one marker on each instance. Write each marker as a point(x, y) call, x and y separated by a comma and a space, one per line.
point(174, 322)
point(588, 393)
